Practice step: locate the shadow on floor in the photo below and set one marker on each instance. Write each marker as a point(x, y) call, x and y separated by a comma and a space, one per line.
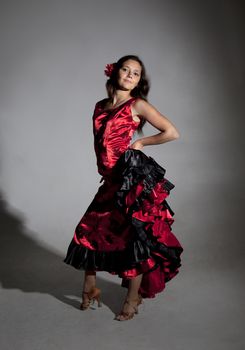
point(30, 267)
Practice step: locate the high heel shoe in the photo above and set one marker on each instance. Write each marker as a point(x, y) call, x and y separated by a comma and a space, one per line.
point(93, 294)
point(127, 315)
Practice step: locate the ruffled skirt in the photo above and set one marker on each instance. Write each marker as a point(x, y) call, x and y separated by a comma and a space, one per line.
point(126, 229)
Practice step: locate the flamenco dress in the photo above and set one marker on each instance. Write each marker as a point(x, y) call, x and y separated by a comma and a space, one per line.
point(126, 229)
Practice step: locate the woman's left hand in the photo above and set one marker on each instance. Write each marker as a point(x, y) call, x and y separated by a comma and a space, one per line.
point(136, 145)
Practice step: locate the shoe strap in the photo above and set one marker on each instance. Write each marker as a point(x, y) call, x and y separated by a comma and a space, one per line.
point(134, 307)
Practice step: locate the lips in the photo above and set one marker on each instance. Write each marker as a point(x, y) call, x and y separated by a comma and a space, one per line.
point(128, 81)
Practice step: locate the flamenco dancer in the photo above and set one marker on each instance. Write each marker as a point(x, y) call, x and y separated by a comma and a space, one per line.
point(126, 229)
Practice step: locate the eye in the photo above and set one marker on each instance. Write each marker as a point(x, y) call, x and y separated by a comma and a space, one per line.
point(136, 74)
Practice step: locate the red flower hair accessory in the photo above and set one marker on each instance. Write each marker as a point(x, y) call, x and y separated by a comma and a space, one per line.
point(109, 69)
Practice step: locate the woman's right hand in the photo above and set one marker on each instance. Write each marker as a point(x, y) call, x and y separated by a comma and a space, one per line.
point(136, 145)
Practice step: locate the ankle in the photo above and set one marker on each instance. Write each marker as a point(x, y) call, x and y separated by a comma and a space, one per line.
point(132, 296)
point(89, 282)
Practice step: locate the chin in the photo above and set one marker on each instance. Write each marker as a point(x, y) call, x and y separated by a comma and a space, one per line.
point(125, 88)
point(128, 86)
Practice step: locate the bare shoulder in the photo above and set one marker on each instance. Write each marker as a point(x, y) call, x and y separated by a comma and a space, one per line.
point(140, 101)
point(142, 108)
point(135, 108)
point(146, 110)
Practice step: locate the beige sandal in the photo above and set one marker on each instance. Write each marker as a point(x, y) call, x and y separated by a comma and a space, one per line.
point(93, 294)
point(129, 315)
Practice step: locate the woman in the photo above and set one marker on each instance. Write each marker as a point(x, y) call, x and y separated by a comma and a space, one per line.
point(126, 229)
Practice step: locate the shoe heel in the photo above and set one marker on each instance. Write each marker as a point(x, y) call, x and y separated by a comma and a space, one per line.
point(98, 301)
point(97, 298)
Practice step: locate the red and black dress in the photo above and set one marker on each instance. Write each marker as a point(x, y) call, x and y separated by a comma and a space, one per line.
point(126, 229)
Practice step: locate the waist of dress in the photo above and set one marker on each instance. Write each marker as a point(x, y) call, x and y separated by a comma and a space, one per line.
point(107, 159)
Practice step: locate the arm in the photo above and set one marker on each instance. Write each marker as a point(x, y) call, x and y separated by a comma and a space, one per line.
point(168, 132)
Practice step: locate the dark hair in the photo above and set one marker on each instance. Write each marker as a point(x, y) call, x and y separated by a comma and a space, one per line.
point(141, 90)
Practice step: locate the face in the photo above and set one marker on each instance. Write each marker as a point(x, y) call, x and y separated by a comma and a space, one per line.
point(129, 75)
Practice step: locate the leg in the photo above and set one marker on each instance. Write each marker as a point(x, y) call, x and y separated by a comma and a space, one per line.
point(134, 285)
point(132, 301)
point(89, 280)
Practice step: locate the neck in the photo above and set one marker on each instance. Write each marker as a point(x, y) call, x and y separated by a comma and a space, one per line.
point(120, 96)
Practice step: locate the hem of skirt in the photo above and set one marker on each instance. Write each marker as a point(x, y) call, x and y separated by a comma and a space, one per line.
point(136, 259)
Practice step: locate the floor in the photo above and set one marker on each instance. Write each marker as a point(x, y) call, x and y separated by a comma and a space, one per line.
point(201, 308)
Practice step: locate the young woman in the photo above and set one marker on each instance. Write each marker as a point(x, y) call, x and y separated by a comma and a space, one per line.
point(126, 229)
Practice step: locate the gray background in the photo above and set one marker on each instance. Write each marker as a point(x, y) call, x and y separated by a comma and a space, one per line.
point(53, 55)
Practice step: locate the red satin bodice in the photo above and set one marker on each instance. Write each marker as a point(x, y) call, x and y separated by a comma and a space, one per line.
point(113, 130)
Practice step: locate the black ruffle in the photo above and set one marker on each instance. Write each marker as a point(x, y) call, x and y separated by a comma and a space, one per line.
point(135, 166)
point(112, 261)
